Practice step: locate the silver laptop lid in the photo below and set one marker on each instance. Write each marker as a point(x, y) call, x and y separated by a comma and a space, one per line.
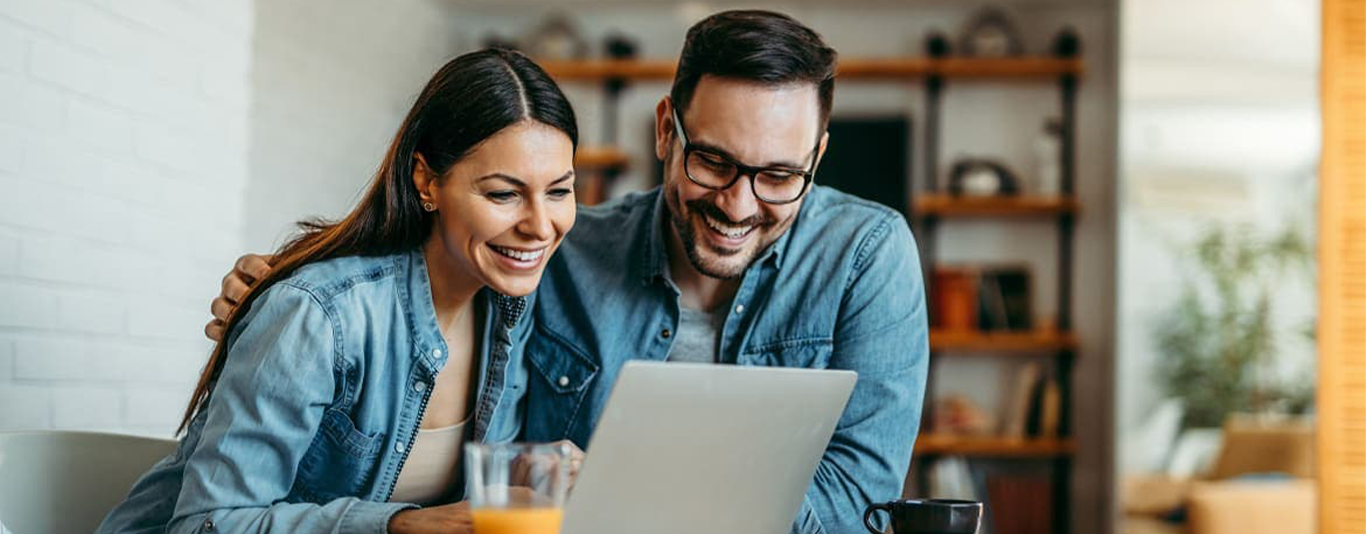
point(687, 448)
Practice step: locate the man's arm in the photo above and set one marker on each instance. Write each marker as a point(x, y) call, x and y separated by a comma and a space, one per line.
point(882, 335)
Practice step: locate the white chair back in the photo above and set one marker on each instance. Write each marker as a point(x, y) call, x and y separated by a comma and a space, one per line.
point(57, 481)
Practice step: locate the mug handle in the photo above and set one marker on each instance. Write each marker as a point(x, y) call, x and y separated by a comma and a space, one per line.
point(868, 516)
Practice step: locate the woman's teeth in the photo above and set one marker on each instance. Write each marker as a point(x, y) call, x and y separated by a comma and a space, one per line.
point(728, 230)
point(518, 254)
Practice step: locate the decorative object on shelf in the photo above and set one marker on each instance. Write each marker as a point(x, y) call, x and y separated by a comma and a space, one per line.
point(1067, 43)
point(1048, 159)
point(955, 299)
point(556, 38)
point(990, 33)
point(958, 415)
point(619, 46)
point(982, 177)
point(937, 45)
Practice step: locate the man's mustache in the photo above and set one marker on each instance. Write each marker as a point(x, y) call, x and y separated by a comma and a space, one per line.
point(707, 208)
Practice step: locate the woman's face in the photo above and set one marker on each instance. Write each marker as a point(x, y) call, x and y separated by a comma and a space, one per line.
point(503, 209)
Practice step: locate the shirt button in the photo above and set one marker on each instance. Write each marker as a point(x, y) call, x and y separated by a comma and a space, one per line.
point(564, 381)
point(739, 308)
point(436, 354)
point(666, 333)
point(398, 447)
point(208, 526)
point(419, 386)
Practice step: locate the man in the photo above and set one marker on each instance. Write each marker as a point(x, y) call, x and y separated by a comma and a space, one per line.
point(739, 259)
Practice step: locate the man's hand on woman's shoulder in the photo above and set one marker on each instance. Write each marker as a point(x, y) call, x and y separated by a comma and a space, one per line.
point(244, 273)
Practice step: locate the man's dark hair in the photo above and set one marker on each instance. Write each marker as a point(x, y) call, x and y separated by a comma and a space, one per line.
point(760, 46)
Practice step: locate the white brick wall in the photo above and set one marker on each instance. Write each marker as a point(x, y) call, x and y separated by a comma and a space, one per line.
point(331, 86)
point(123, 165)
point(144, 144)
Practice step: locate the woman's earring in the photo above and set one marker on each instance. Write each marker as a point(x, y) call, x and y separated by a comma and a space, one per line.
point(428, 206)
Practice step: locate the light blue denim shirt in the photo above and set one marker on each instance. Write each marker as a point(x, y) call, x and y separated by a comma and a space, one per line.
point(327, 378)
point(841, 289)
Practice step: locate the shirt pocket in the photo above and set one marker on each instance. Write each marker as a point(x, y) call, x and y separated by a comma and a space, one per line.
point(561, 375)
point(341, 461)
point(809, 353)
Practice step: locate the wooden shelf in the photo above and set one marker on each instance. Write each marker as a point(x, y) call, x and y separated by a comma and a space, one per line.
point(1002, 341)
point(1021, 67)
point(601, 158)
point(853, 68)
point(942, 205)
point(602, 69)
point(939, 444)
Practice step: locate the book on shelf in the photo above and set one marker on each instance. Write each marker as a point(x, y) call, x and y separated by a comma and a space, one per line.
point(1034, 408)
point(1017, 408)
point(1051, 417)
point(1004, 299)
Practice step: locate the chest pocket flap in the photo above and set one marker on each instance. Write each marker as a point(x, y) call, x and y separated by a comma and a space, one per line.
point(563, 367)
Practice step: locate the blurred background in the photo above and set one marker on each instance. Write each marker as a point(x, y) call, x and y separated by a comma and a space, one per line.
point(1116, 201)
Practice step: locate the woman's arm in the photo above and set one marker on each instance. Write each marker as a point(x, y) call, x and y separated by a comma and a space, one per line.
point(263, 415)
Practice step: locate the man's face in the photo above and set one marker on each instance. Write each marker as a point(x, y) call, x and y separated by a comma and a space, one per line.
point(753, 124)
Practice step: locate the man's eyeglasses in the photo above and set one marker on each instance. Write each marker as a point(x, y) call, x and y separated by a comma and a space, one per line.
point(715, 171)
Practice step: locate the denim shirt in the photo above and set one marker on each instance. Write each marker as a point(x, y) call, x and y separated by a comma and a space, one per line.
point(841, 289)
point(326, 380)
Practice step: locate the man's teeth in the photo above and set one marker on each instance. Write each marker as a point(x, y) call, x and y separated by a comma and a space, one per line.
point(518, 254)
point(728, 230)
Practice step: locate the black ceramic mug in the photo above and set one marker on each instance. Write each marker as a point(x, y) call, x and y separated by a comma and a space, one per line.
point(927, 516)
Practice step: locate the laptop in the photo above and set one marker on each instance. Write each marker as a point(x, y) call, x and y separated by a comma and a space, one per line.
point(688, 448)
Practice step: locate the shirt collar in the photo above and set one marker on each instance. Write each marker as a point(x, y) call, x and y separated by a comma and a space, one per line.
point(508, 310)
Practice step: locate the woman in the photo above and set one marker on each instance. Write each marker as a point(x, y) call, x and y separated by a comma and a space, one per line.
point(351, 374)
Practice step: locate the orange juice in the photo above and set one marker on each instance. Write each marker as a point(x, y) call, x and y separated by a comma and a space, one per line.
point(517, 520)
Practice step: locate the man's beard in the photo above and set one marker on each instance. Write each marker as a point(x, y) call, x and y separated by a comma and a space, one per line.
point(687, 233)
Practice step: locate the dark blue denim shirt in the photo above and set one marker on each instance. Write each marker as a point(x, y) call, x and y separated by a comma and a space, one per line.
point(327, 378)
point(841, 289)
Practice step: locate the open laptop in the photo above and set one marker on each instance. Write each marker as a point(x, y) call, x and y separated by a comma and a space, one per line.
point(688, 448)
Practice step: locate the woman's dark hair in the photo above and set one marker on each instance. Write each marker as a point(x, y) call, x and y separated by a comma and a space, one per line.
point(470, 99)
point(755, 45)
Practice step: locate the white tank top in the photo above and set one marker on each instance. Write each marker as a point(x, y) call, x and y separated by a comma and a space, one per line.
point(433, 465)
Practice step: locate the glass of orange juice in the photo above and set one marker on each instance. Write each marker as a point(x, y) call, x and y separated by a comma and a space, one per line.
point(517, 488)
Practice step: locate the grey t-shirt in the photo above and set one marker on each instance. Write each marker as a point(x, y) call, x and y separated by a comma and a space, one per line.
point(699, 336)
